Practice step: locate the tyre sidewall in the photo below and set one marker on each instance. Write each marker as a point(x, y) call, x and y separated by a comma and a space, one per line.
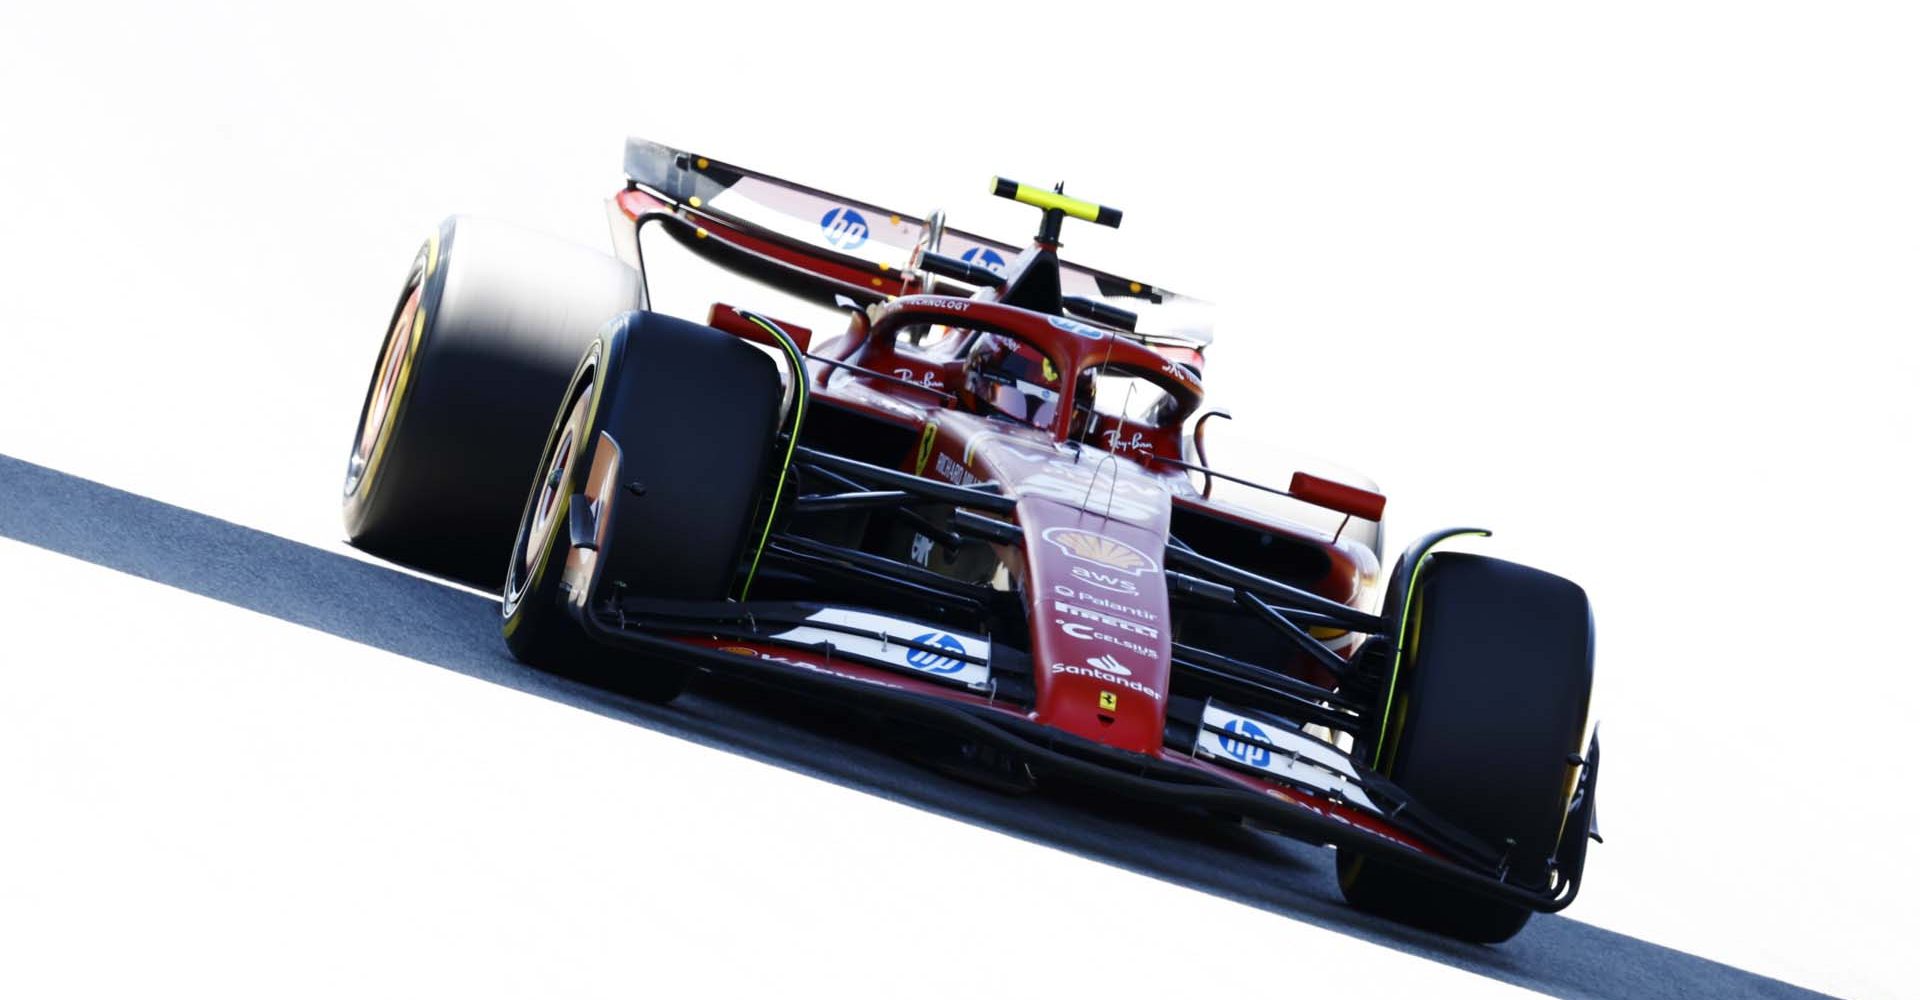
point(1493, 700)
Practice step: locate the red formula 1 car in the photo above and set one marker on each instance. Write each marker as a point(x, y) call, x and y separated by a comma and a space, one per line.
point(983, 511)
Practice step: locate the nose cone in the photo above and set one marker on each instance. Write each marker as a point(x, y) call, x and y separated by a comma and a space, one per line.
point(1098, 615)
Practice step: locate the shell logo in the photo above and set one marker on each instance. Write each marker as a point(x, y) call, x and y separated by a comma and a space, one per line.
point(1089, 547)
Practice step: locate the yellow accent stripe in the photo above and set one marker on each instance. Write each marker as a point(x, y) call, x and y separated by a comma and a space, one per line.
point(433, 253)
point(786, 463)
point(1400, 641)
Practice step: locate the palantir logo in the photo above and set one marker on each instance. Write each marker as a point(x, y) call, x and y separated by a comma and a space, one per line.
point(1252, 749)
point(934, 663)
point(843, 228)
point(986, 258)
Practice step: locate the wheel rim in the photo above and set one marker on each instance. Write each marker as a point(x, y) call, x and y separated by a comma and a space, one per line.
point(548, 500)
point(389, 378)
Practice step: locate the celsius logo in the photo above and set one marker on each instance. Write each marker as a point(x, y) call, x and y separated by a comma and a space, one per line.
point(844, 228)
point(1086, 632)
point(934, 663)
point(1252, 750)
point(1109, 664)
point(986, 258)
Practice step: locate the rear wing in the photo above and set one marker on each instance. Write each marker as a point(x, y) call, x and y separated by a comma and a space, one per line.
point(837, 236)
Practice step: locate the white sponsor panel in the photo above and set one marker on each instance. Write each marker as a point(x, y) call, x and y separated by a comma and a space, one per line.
point(819, 221)
point(889, 649)
point(1280, 751)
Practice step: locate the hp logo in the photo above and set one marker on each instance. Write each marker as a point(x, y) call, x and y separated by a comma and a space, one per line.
point(843, 228)
point(934, 663)
point(986, 258)
point(1251, 751)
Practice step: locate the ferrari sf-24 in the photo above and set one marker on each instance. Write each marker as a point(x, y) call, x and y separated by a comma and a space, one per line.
point(982, 511)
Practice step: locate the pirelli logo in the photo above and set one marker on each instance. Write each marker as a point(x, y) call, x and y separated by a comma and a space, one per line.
point(1099, 618)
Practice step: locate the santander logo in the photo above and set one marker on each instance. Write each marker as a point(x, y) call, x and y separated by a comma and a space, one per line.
point(1108, 670)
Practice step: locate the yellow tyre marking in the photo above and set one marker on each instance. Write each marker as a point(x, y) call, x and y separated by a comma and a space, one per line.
point(400, 385)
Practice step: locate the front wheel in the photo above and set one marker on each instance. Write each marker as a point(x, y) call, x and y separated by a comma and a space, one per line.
point(1484, 729)
point(649, 486)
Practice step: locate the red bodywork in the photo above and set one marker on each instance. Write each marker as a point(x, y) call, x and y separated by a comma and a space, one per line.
point(1094, 503)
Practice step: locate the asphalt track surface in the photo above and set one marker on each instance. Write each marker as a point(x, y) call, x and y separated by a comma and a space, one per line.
point(457, 630)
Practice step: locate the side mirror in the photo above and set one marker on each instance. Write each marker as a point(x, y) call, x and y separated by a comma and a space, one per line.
point(1349, 500)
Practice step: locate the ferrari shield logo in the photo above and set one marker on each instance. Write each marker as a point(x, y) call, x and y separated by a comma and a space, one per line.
point(1109, 701)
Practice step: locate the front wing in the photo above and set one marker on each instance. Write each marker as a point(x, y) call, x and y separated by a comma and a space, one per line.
point(1218, 757)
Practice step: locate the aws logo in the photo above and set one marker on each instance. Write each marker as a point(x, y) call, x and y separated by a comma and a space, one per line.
point(1106, 581)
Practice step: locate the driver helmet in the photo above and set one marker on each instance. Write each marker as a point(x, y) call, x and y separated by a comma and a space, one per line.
point(1013, 379)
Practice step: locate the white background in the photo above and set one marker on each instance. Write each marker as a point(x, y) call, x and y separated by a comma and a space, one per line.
point(1632, 286)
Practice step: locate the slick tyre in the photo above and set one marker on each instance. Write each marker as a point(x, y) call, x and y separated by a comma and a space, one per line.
point(486, 332)
point(1490, 707)
point(659, 455)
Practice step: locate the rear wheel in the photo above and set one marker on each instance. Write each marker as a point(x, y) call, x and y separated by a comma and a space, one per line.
point(486, 332)
point(1491, 708)
point(660, 451)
